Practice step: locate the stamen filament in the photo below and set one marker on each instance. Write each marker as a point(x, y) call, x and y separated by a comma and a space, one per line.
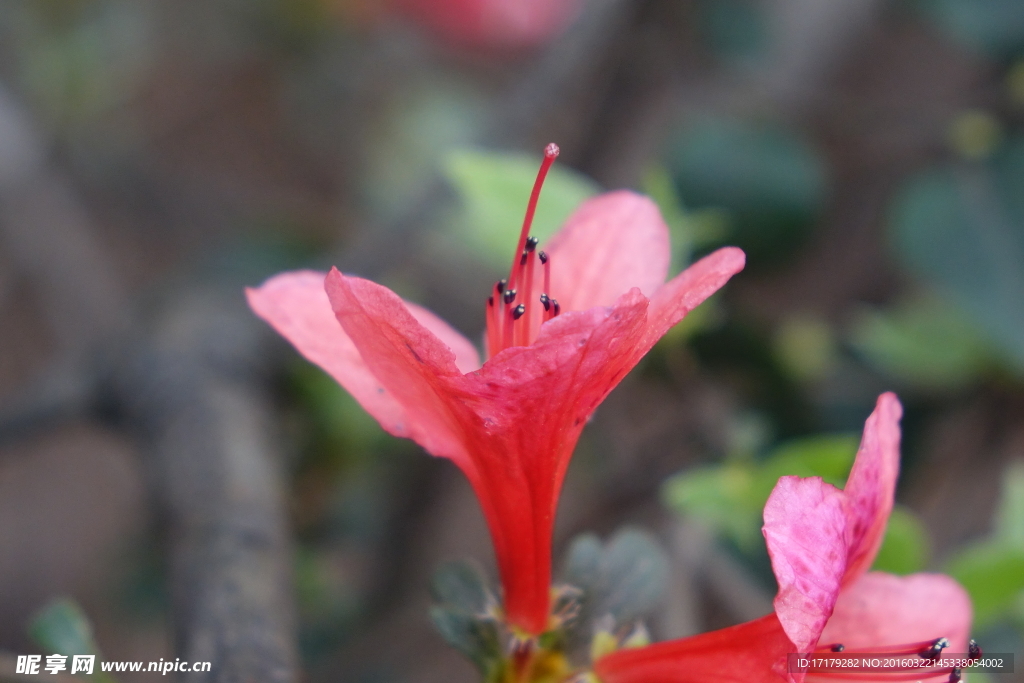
point(550, 154)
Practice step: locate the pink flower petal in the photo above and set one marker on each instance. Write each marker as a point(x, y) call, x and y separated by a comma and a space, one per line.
point(466, 357)
point(881, 609)
point(408, 361)
point(871, 487)
point(689, 289)
point(805, 529)
point(754, 652)
point(609, 245)
point(296, 305)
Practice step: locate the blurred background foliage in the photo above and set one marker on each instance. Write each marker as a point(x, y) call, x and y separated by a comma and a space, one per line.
point(869, 156)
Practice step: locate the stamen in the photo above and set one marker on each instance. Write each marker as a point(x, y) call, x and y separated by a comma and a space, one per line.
point(501, 314)
point(973, 649)
point(955, 675)
point(838, 647)
point(935, 649)
point(550, 154)
point(558, 309)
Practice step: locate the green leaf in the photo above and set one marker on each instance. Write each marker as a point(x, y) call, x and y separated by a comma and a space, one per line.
point(62, 627)
point(624, 579)
point(730, 497)
point(495, 188)
point(1009, 521)
point(635, 575)
point(993, 575)
point(770, 180)
point(923, 342)
point(461, 585)
point(477, 639)
point(962, 229)
point(905, 548)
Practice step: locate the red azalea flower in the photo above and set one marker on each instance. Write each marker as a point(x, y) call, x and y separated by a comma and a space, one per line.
point(511, 424)
point(821, 541)
point(494, 24)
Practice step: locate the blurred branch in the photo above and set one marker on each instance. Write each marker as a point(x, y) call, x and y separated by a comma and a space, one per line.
point(190, 390)
point(196, 400)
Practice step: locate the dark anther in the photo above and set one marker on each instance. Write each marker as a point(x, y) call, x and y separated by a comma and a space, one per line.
point(543, 257)
point(955, 675)
point(522, 259)
point(509, 296)
point(490, 301)
point(935, 649)
point(558, 309)
point(531, 243)
point(518, 312)
point(499, 286)
point(546, 301)
point(973, 649)
point(838, 647)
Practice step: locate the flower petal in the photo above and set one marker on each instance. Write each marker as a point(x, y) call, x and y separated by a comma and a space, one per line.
point(296, 305)
point(466, 357)
point(534, 401)
point(871, 487)
point(880, 609)
point(408, 361)
point(805, 529)
point(609, 245)
point(754, 652)
point(689, 289)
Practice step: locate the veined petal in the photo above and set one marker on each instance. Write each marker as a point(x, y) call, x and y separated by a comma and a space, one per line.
point(610, 244)
point(466, 357)
point(754, 652)
point(805, 530)
point(408, 361)
point(296, 305)
point(881, 609)
point(871, 487)
point(689, 289)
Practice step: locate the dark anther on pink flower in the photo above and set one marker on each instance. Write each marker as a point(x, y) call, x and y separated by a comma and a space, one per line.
point(558, 309)
point(510, 296)
point(522, 259)
point(531, 243)
point(518, 312)
point(546, 302)
point(499, 286)
point(490, 301)
point(955, 675)
point(543, 257)
point(838, 647)
point(973, 649)
point(935, 649)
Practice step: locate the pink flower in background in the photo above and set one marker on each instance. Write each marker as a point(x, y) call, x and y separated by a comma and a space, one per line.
point(494, 24)
point(822, 540)
point(512, 423)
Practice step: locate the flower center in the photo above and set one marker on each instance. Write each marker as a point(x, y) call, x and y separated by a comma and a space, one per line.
point(922, 661)
point(514, 317)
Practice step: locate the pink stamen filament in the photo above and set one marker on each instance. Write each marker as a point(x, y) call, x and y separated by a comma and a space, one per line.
point(922, 651)
point(510, 320)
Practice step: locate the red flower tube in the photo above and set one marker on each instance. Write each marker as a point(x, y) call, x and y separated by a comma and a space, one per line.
point(512, 423)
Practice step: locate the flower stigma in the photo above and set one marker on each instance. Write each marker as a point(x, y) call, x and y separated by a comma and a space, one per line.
point(518, 325)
